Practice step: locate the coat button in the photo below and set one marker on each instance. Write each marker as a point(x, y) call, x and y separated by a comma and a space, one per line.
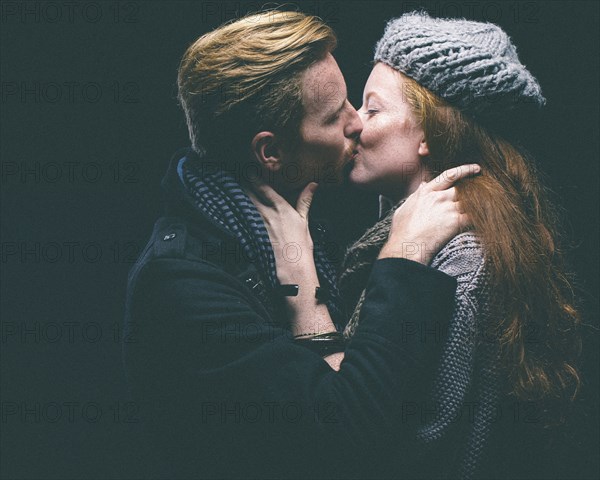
point(170, 236)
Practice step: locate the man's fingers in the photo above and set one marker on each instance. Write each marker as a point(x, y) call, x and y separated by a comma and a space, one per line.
point(449, 177)
point(305, 199)
point(447, 195)
point(464, 222)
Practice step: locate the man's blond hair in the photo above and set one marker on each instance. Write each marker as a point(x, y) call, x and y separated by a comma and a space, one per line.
point(245, 77)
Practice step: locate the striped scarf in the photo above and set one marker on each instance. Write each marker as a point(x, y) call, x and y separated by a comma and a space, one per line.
point(218, 195)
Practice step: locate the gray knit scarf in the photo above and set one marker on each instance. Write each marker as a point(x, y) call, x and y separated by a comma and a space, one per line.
point(468, 373)
point(357, 266)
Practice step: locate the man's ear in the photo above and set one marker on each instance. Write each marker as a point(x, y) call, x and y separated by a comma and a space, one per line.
point(266, 150)
point(423, 148)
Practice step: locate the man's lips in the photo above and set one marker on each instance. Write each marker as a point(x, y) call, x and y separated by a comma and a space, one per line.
point(352, 152)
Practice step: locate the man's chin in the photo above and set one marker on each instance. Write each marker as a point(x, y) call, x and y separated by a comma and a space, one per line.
point(347, 172)
point(331, 178)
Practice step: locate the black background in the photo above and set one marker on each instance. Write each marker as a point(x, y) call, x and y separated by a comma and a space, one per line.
point(89, 110)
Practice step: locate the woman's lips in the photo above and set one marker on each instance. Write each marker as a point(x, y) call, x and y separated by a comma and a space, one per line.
point(350, 163)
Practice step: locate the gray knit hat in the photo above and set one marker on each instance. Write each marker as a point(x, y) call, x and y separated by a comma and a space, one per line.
point(472, 65)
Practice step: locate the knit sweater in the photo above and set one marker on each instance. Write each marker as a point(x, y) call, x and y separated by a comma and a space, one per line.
point(467, 379)
point(455, 417)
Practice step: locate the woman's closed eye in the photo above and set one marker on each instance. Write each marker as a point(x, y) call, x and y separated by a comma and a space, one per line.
point(369, 109)
point(372, 107)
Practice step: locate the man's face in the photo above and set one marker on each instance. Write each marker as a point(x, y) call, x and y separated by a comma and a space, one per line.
point(328, 131)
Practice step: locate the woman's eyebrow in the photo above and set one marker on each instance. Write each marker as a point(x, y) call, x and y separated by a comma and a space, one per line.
point(372, 94)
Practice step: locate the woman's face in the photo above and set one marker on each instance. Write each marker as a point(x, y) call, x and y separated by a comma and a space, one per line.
point(392, 144)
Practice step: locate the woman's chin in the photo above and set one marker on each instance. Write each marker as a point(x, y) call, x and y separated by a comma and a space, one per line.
point(357, 179)
point(356, 182)
point(361, 183)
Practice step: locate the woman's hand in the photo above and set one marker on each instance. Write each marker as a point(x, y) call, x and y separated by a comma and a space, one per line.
point(288, 232)
point(293, 250)
point(428, 218)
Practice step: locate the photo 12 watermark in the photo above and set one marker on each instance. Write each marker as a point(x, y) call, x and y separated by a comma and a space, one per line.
point(69, 92)
point(23, 172)
point(68, 12)
point(68, 412)
point(270, 412)
point(65, 332)
point(224, 11)
point(69, 252)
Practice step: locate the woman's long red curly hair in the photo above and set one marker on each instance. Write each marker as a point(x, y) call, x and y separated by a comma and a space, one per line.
point(535, 319)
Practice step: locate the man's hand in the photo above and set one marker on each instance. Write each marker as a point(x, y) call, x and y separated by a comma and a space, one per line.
point(428, 218)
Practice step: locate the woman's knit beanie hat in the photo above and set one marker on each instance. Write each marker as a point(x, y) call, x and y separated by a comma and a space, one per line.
point(472, 65)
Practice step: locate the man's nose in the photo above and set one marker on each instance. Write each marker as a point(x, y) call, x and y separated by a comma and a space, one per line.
point(354, 126)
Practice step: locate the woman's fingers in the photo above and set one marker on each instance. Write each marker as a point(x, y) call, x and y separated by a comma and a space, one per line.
point(260, 195)
point(259, 203)
point(305, 199)
point(449, 177)
point(265, 193)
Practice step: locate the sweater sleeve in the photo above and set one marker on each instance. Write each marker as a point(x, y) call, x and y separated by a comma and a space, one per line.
point(463, 259)
point(207, 366)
